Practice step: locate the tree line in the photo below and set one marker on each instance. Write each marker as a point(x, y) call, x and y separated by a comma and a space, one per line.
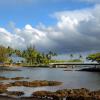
point(94, 57)
point(30, 54)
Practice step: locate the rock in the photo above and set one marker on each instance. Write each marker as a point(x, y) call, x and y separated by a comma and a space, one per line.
point(3, 88)
point(70, 94)
point(15, 78)
point(15, 93)
point(18, 78)
point(35, 83)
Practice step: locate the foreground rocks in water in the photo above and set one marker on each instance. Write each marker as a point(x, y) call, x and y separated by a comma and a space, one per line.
point(66, 94)
point(3, 88)
point(3, 68)
point(15, 78)
point(3, 78)
point(35, 83)
point(21, 98)
point(19, 78)
point(15, 93)
point(69, 94)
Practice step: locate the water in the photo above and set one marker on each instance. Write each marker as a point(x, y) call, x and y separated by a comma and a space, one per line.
point(70, 79)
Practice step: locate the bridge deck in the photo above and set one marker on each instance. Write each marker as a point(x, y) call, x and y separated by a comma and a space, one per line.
point(75, 64)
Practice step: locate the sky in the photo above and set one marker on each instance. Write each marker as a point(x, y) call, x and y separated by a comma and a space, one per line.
point(62, 26)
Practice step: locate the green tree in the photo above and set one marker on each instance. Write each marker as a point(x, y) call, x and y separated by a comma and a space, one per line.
point(71, 56)
point(30, 54)
point(3, 54)
point(51, 54)
point(94, 57)
point(11, 61)
point(18, 52)
point(80, 56)
point(10, 51)
point(39, 58)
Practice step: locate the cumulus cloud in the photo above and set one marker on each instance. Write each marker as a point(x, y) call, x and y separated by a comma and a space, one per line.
point(9, 39)
point(75, 31)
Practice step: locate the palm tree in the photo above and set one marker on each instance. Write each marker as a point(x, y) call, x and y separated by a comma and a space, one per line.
point(18, 52)
point(71, 56)
point(11, 61)
point(51, 54)
point(80, 56)
point(10, 51)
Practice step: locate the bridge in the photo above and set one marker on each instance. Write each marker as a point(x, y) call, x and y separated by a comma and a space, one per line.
point(75, 64)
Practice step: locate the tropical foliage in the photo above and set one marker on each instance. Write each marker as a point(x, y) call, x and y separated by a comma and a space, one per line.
point(94, 57)
point(30, 54)
point(3, 54)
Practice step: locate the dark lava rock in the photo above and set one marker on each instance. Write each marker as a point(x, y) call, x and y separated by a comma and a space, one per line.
point(35, 83)
point(69, 94)
point(15, 78)
point(15, 93)
point(3, 88)
point(93, 69)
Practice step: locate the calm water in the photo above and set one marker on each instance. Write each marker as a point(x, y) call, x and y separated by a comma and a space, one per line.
point(70, 79)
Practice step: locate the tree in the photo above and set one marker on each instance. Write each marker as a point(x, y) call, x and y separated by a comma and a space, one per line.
point(39, 58)
point(50, 54)
point(30, 54)
point(11, 61)
point(71, 56)
point(18, 52)
point(80, 56)
point(3, 54)
point(10, 51)
point(94, 57)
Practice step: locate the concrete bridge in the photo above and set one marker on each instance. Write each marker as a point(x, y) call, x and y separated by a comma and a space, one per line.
point(73, 65)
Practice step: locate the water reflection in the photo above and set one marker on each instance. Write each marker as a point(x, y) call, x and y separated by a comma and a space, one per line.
point(70, 79)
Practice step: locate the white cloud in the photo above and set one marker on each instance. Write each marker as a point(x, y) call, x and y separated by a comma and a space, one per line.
point(74, 31)
point(8, 39)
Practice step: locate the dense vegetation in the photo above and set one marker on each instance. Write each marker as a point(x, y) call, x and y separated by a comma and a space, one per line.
point(30, 54)
point(94, 57)
point(3, 54)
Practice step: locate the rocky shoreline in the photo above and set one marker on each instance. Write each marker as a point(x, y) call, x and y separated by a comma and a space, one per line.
point(15, 78)
point(93, 69)
point(69, 94)
point(35, 83)
point(66, 94)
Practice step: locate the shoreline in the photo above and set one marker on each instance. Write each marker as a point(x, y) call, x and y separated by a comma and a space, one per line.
point(21, 65)
point(93, 69)
point(68, 94)
point(12, 98)
point(65, 94)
